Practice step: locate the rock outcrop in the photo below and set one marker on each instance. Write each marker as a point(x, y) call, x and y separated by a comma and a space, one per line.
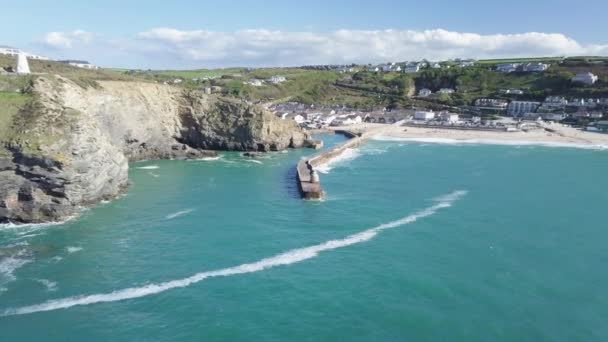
point(70, 146)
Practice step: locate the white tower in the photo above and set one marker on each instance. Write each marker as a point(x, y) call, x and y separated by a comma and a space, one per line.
point(22, 66)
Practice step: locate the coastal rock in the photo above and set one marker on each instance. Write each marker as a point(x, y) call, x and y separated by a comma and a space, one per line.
point(70, 146)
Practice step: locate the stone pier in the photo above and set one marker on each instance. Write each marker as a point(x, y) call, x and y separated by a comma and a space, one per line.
point(310, 188)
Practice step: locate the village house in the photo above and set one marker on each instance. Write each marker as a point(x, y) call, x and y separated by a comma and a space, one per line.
point(255, 82)
point(446, 91)
point(553, 116)
point(520, 108)
point(449, 117)
point(511, 91)
point(277, 79)
point(586, 78)
point(535, 67)
point(424, 115)
point(79, 64)
point(11, 51)
point(412, 68)
point(507, 67)
point(425, 92)
point(495, 104)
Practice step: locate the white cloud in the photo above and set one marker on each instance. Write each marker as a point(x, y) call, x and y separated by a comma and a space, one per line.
point(264, 47)
point(173, 48)
point(66, 40)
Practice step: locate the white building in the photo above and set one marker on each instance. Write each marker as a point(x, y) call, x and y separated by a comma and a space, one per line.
point(585, 78)
point(446, 91)
point(299, 119)
point(491, 103)
point(535, 67)
point(449, 117)
point(277, 79)
point(507, 67)
point(425, 92)
point(412, 68)
point(512, 91)
point(423, 115)
point(11, 51)
point(80, 64)
point(519, 108)
point(255, 82)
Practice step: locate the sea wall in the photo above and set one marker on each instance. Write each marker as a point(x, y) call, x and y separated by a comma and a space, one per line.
point(311, 190)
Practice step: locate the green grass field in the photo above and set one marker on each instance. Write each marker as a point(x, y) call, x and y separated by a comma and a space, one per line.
point(10, 104)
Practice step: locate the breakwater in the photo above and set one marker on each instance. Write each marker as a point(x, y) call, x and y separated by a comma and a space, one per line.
point(308, 182)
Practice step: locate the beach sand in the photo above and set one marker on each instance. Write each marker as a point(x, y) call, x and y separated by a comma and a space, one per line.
point(561, 136)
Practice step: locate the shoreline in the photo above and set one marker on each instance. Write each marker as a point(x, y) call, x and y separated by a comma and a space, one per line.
point(559, 136)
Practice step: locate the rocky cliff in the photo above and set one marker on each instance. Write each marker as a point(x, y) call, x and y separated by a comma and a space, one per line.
point(70, 145)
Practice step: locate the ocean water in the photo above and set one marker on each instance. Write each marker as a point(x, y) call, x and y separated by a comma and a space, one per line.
point(415, 242)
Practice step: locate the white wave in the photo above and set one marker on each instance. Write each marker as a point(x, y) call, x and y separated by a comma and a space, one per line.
point(50, 286)
point(73, 249)
point(9, 265)
point(153, 174)
point(178, 214)
point(518, 143)
point(56, 259)
point(287, 258)
point(347, 155)
point(209, 158)
point(253, 161)
point(150, 167)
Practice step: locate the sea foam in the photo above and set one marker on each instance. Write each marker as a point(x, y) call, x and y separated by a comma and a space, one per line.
point(347, 155)
point(150, 167)
point(448, 141)
point(178, 214)
point(288, 258)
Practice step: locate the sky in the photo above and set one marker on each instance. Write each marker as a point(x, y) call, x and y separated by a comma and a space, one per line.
point(183, 34)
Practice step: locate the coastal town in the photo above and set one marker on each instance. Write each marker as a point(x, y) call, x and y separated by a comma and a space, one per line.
point(510, 109)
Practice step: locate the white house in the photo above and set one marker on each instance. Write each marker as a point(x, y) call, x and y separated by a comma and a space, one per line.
point(446, 91)
point(299, 119)
point(80, 64)
point(374, 69)
point(425, 92)
point(511, 91)
point(535, 67)
point(519, 108)
point(412, 68)
point(449, 117)
point(585, 78)
point(277, 79)
point(423, 115)
point(255, 82)
point(553, 116)
point(11, 51)
point(507, 67)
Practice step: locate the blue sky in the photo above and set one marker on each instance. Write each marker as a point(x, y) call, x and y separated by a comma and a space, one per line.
point(114, 30)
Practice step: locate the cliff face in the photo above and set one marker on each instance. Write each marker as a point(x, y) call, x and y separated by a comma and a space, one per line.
point(70, 146)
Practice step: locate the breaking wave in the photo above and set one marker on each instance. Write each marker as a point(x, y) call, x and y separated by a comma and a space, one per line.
point(349, 154)
point(150, 167)
point(73, 249)
point(448, 141)
point(287, 258)
point(178, 214)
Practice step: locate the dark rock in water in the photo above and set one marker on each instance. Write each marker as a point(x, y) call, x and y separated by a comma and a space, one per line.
point(253, 154)
point(70, 147)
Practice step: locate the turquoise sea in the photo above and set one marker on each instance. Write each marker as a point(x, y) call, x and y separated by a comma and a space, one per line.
point(415, 242)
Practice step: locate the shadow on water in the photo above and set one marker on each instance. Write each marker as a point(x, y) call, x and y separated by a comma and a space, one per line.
point(291, 183)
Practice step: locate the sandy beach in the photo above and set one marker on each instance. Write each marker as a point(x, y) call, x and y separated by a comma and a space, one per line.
point(562, 136)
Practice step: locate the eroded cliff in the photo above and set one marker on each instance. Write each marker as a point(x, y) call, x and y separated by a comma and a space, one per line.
point(70, 145)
